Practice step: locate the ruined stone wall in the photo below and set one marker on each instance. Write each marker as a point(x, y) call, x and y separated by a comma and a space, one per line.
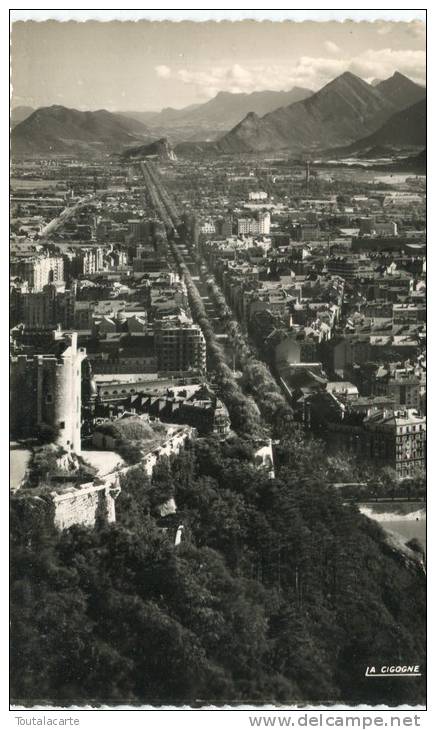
point(88, 503)
point(84, 506)
point(172, 446)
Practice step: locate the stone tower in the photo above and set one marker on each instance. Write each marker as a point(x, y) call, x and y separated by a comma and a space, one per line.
point(46, 391)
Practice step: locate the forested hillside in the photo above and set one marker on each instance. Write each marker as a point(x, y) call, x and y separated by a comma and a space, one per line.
point(278, 592)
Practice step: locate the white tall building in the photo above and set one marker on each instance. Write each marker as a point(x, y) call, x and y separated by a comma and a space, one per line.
point(41, 270)
point(264, 222)
point(257, 195)
point(208, 227)
point(250, 225)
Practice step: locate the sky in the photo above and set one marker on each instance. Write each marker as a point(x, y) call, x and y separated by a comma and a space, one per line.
point(141, 66)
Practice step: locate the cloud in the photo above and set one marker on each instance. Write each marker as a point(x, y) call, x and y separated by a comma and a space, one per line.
point(384, 28)
point(416, 29)
point(308, 71)
point(234, 78)
point(383, 63)
point(164, 72)
point(331, 47)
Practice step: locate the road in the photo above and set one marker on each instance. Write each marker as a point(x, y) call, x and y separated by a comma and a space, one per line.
point(66, 214)
point(166, 209)
point(159, 197)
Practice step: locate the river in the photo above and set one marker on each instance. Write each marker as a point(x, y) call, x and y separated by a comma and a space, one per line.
point(406, 520)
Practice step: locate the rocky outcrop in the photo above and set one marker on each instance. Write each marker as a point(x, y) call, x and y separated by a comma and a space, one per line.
point(160, 149)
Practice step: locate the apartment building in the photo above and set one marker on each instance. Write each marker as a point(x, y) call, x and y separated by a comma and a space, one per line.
point(179, 346)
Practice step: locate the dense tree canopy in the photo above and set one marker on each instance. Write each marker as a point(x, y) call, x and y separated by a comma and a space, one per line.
point(278, 592)
point(244, 415)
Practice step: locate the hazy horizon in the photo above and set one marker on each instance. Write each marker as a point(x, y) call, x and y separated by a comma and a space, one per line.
point(148, 65)
point(136, 111)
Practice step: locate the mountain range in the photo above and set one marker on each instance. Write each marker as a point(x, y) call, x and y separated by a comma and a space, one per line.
point(346, 112)
point(340, 113)
point(57, 130)
point(197, 121)
point(406, 128)
point(218, 114)
point(401, 91)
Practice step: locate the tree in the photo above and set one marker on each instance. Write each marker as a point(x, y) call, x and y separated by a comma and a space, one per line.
point(276, 590)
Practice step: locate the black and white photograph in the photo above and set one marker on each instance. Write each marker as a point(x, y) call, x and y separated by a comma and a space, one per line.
point(218, 400)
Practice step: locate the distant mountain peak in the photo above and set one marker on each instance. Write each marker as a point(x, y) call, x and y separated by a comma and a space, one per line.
point(349, 76)
point(221, 113)
point(399, 75)
point(344, 109)
point(345, 82)
point(59, 130)
point(401, 91)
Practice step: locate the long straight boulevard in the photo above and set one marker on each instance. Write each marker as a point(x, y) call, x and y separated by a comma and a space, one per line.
point(260, 392)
